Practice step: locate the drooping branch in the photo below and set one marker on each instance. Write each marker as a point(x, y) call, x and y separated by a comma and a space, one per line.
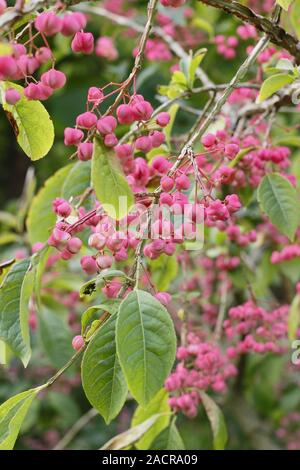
point(276, 34)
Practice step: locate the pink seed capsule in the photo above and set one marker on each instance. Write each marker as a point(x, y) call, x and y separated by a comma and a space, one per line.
point(83, 42)
point(107, 125)
point(163, 119)
point(166, 198)
point(27, 65)
point(167, 183)
point(72, 136)
point(163, 297)
point(72, 23)
point(143, 143)
point(110, 140)
point(3, 6)
point(19, 49)
point(104, 261)
point(142, 110)
point(43, 55)
point(64, 209)
point(105, 48)
point(59, 238)
point(182, 182)
point(95, 95)
point(86, 120)
point(53, 79)
point(85, 151)
point(37, 91)
point(88, 264)
point(8, 67)
point(157, 138)
point(124, 151)
point(208, 140)
point(77, 342)
point(125, 114)
point(74, 245)
point(48, 23)
point(97, 241)
point(12, 96)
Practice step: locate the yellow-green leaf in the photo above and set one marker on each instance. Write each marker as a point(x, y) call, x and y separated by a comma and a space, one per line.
point(285, 3)
point(217, 421)
point(31, 123)
point(158, 404)
point(129, 437)
point(109, 182)
point(163, 271)
point(273, 84)
point(12, 414)
point(294, 318)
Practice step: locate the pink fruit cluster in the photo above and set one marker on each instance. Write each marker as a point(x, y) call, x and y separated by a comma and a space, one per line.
point(288, 253)
point(226, 47)
point(255, 329)
point(172, 3)
point(203, 367)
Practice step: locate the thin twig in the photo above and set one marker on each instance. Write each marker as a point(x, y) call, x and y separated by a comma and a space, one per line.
point(75, 429)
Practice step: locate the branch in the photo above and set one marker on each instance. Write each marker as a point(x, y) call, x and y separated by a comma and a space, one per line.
point(76, 428)
point(242, 71)
point(174, 46)
point(275, 33)
point(139, 57)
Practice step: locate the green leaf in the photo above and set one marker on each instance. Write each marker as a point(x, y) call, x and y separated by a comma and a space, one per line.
point(40, 261)
point(5, 48)
point(163, 271)
point(292, 140)
point(217, 421)
point(240, 156)
point(194, 64)
point(90, 287)
point(5, 353)
point(111, 306)
point(31, 123)
point(285, 64)
point(168, 439)
point(278, 199)
point(294, 17)
point(158, 404)
point(284, 3)
point(26, 198)
point(41, 217)
point(294, 318)
point(273, 84)
point(109, 182)
point(102, 378)
point(201, 23)
point(15, 292)
point(55, 337)
point(146, 344)
point(77, 180)
point(12, 413)
point(129, 437)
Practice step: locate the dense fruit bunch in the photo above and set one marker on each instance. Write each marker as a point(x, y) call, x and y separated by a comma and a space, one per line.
point(210, 231)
